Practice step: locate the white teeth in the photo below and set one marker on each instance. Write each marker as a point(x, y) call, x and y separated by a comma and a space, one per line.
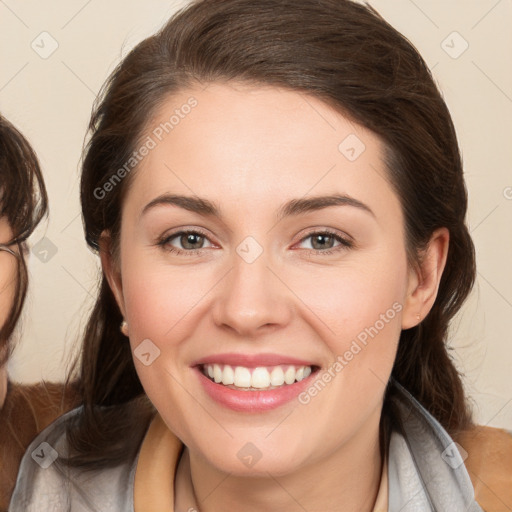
point(277, 376)
point(228, 376)
point(256, 378)
point(217, 373)
point(242, 377)
point(289, 375)
point(260, 378)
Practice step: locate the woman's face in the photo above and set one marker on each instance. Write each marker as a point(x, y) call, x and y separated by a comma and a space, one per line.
point(260, 284)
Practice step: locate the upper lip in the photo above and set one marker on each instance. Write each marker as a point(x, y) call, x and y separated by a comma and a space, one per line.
point(251, 360)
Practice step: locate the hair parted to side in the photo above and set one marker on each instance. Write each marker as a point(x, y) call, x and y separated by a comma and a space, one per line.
point(23, 202)
point(343, 53)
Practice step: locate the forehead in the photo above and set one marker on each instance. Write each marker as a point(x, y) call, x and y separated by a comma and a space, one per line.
point(256, 147)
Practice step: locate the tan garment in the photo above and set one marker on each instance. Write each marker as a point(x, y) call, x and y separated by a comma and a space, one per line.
point(156, 470)
point(381, 503)
point(27, 410)
point(489, 464)
point(424, 470)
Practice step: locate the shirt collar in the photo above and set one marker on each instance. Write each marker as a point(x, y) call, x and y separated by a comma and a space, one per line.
point(424, 469)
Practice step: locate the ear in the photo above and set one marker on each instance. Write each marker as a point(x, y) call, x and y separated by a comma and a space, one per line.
point(423, 282)
point(111, 269)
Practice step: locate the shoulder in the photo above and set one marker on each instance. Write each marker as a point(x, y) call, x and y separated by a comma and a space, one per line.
point(35, 406)
point(426, 471)
point(38, 471)
point(27, 410)
point(488, 460)
point(46, 483)
point(479, 459)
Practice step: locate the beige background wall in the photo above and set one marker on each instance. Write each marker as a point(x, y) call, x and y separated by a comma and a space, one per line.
point(49, 97)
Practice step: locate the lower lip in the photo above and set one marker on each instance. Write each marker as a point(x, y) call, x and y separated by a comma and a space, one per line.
point(252, 401)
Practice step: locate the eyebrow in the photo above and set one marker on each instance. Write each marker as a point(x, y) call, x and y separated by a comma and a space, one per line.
point(293, 207)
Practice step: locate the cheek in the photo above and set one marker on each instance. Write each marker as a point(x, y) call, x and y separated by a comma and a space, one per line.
point(352, 298)
point(344, 300)
point(358, 312)
point(158, 297)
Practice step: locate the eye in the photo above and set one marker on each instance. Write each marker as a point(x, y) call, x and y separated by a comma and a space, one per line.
point(322, 242)
point(190, 242)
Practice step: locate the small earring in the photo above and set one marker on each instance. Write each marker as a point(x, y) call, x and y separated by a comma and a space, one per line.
point(124, 327)
point(418, 316)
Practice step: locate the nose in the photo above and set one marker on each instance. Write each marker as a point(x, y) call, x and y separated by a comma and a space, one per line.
point(252, 299)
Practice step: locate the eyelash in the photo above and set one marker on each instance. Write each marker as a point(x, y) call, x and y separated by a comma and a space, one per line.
point(344, 243)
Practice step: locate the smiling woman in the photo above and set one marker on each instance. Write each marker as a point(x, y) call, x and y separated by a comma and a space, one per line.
point(300, 233)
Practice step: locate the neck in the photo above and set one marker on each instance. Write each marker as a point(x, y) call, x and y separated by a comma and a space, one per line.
point(349, 475)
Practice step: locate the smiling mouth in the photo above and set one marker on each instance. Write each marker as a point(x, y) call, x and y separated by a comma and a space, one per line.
point(260, 378)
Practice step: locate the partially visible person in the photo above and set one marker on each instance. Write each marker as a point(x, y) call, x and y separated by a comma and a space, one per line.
point(24, 409)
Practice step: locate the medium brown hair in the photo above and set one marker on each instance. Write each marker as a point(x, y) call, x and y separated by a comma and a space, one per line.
point(23, 202)
point(346, 55)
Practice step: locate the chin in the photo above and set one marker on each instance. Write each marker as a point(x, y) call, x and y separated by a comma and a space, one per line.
point(254, 455)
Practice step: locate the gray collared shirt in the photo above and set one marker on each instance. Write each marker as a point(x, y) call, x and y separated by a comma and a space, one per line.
point(426, 472)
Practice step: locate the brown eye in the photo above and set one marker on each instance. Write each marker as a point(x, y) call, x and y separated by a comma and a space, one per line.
point(191, 240)
point(185, 242)
point(324, 242)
